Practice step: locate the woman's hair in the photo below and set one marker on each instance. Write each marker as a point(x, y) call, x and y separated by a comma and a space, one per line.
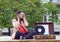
point(17, 14)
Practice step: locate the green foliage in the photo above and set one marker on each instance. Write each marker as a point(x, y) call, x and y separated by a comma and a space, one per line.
point(33, 9)
point(52, 10)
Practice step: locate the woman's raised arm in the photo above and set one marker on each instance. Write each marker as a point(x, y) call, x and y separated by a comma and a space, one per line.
point(25, 22)
point(15, 25)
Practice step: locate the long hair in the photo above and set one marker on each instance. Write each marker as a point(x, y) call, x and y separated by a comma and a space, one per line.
point(17, 14)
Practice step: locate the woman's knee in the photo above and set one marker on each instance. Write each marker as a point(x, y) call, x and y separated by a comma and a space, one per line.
point(30, 35)
point(17, 35)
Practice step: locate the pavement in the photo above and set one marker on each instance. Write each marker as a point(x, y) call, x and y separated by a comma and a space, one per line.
point(4, 38)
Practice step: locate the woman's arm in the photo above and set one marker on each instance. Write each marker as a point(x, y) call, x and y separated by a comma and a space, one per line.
point(25, 22)
point(15, 25)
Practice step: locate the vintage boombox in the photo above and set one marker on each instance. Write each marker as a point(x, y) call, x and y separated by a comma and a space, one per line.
point(44, 30)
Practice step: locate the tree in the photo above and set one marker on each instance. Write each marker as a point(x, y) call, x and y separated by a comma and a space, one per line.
point(8, 8)
point(52, 10)
point(33, 9)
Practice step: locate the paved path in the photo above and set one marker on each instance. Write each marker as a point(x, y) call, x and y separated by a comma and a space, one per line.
point(5, 38)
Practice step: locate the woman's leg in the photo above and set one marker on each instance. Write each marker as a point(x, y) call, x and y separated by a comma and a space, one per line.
point(29, 35)
point(18, 34)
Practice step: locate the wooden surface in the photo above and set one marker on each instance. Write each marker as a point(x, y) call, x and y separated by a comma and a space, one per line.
point(35, 40)
point(44, 37)
point(8, 39)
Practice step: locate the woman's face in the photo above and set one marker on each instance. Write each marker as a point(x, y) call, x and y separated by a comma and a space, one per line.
point(21, 15)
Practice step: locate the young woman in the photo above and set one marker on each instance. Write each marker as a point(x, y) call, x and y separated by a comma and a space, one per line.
point(20, 23)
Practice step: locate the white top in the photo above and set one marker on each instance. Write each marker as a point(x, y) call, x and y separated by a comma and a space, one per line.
point(16, 23)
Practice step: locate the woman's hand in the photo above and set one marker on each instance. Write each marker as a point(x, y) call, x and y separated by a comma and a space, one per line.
point(24, 16)
point(18, 18)
point(25, 22)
